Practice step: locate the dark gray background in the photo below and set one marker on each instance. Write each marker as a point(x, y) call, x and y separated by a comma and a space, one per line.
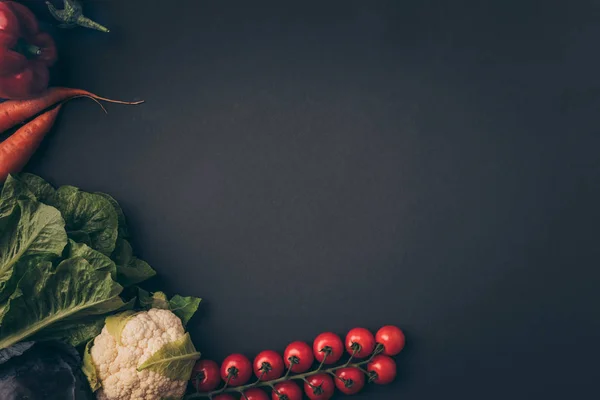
point(323, 165)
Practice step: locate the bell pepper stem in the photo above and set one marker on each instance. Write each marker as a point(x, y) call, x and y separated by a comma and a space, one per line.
point(88, 23)
point(32, 50)
point(72, 15)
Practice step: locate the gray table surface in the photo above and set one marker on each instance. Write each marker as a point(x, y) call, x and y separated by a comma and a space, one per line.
point(312, 166)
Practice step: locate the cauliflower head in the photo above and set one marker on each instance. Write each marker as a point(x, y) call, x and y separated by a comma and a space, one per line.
point(117, 359)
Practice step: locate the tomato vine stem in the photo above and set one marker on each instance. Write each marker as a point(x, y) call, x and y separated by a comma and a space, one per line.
point(288, 376)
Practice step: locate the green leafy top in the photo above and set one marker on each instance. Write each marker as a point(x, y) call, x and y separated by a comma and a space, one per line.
point(174, 360)
point(183, 307)
point(49, 237)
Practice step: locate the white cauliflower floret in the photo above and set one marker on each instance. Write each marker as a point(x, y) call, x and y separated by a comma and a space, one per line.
point(116, 363)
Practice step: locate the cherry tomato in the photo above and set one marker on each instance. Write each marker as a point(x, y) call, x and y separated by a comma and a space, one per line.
point(349, 380)
point(361, 339)
point(319, 387)
point(330, 344)
point(287, 390)
point(303, 355)
point(268, 365)
point(205, 375)
point(392, 339)
point(239, 367)
point(255, 394)
point(383, 369)
point(224, 396)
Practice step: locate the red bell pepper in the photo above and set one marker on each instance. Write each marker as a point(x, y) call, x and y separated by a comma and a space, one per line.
point(25, 53)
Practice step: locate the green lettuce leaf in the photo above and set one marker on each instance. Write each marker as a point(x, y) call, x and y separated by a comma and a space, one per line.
point(96, 259)
point(130, 270)
point(81, 330)
point(174, 360)
point(42, 190)
point(35, 234)
point(47, 296)
point(123, 230)
point(75, 333)
point(88, 215)
point(89, 369)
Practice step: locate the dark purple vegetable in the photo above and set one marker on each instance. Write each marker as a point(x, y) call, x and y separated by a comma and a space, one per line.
point(42, 371)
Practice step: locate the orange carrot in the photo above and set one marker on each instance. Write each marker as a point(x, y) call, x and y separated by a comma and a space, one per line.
point(16, 151)
point(14, 112)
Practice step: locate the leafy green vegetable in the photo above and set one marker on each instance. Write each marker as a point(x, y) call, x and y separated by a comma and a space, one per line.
point(123, 230)
point(36, 186)
point(174, 360)
point(89, 369)
point(95, 258)
point(91, 214)
point(45, 297)
point(76, 333)
point(65, 259)
point(130, 270)
point(183, 307)
point(37, 235)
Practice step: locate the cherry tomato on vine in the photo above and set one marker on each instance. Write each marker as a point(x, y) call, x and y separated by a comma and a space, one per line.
point(206, 375)
point(362, 340)
point(392, 338)
point(349, 380)
point(303, 355)
point(331, 342)
point(268, 365)
point(255, 394)
point(239, 367)
point(225, 396)
point(383, 369)
point(287, 390)
point(319, 387)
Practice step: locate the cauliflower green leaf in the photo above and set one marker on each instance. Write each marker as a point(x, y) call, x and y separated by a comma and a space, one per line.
point(183, 307)
point(115, 323)
point(174, 360)
point(89, 369)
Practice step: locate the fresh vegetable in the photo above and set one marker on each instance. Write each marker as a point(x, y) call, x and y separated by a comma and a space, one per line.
point(236, 370)
point(349, 376)
point(349, 380)
point(268, 365)
point(298, 355)
point(382, 369)
point(360, 343)
point(392, 339)
point(319, 387)
point(42, 371)
point(15, 112)
point(16, 151)
point(206, 375)
point(255, 394)
point(287, 390)
point(25, 53)
point(328, 348)
point(66, 264)
point(145, 354)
